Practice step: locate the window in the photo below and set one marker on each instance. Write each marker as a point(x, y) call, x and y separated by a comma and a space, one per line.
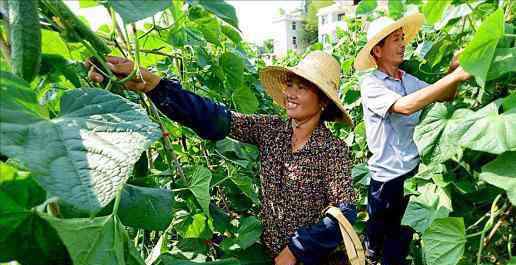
point(294, 41)
point(340, 17)
point(323, 20)
point(294, 25)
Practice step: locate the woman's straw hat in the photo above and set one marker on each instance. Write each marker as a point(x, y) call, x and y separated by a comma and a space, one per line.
point(381, 28)
point(317, 67)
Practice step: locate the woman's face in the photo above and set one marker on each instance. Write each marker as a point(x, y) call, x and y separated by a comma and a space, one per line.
point(302, 100)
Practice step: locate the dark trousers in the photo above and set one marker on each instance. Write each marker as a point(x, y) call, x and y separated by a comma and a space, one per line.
point(385, 236)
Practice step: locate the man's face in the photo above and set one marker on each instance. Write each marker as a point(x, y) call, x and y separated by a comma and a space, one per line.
point(393, 49)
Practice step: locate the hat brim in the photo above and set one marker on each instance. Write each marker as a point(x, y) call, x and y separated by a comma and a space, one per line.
point(410, 24)
point(274, 80)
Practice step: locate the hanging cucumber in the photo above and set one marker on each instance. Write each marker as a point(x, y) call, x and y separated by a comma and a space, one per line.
point(74, 27)
point(25, 35)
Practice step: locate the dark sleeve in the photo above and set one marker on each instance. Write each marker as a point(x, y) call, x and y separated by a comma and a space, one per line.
point(207, 118)
point(310, 244)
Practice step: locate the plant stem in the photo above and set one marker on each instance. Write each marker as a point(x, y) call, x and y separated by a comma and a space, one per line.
point(6, 49)
point(116, 26)
point(487, 226)
point(154, 112)
point(117, 200)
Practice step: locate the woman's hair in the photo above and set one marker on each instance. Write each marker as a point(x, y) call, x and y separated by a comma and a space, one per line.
point(331, 112)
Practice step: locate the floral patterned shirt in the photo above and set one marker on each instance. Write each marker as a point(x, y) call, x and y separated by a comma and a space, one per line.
point(296, 186)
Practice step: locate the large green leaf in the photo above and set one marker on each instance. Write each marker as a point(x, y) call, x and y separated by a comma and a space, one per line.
point(248, 232)
point(245, 184)
point(233, 66)
point(221, 9)
point(501, 173)
point(396, 8)
point(231, 33)
point(504, 62)
point(479, 53)
point(491, 131)
point(434, 9)
point(438, 133)
point(83, 155)
point(422, 210)
point(361, 175)
point(200, 187)
point(245, 100)
point(146, 208)
point(210, 28)
point(366, 6)
point(100, 240)
point(190, 225)
point(444, 241)
point(25, 237)
point(134, 10)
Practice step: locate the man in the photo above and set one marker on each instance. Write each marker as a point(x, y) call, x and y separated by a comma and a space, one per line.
point(392, 101)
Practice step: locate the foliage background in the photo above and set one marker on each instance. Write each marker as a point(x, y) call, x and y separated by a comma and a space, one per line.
point(188, 200)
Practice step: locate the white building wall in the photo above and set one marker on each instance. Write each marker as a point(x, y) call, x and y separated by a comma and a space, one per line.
point(285, 34)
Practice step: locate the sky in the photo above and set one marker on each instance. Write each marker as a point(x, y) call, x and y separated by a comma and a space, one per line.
point(255, 17)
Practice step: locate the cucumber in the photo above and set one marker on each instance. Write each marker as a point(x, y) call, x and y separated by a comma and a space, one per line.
point(75, 27)
point(25, 34)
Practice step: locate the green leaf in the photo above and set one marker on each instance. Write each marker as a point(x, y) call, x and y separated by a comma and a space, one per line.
point(245, 184)
point(366, 6)
point(396, 8)
point(509, 102)
point(192, 226)
point(245, 100)
point(52, 43)
point(100, 240)
point(248, 232)
point(231, 33)
point(210, 28)
point(361, 175)
point(233, 66)
point(146, 208)
point(491, 132)
point(134, 10)
point(434, 9)
point(221, 9)
point(200, 187)
point(504, 62)
point(86, 153)
point(56, 65)
point(439, 131)
point(18, 99)
point(25, 237)
point(479, 53)
point(501, 173)
point(167, 259)
point(444, 241)
point(422, 210)
point(87, 3)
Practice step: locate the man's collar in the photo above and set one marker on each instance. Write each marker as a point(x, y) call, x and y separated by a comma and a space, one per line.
point(381, 75)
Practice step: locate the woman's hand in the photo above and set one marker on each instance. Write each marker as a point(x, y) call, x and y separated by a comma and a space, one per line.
point(123, 67)
point(285, 257)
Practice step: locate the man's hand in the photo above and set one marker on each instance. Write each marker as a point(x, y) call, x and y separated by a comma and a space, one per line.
point(460, 74)
point(455, 61)
point(285, 257)
point(123, 67)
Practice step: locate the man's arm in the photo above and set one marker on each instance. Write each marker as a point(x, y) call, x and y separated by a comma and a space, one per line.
point(442, 90)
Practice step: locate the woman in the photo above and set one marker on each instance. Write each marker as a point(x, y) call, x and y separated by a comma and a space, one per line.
point(304, 168)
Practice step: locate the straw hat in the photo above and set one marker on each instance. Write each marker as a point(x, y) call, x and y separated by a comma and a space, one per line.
point(317, 67)
point(381, 28)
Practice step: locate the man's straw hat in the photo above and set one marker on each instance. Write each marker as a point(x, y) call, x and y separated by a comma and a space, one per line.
point(381, 28)
point(317, 67)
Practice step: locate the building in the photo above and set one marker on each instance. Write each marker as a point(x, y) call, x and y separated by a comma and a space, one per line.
point(332, 17)
point(288, 33)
